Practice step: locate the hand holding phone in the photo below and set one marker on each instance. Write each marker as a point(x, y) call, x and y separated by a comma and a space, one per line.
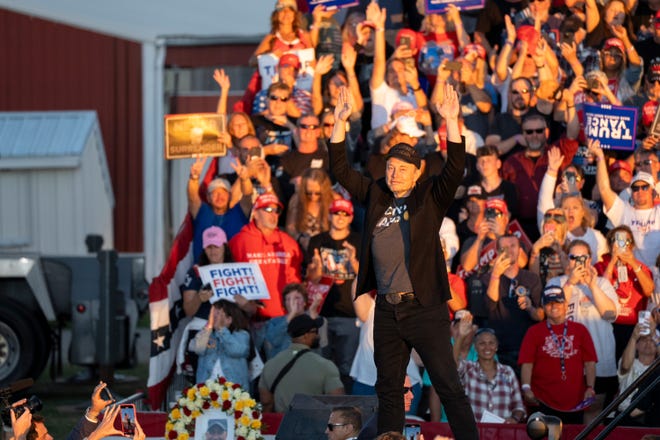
point(127, 419)
point(412, 431)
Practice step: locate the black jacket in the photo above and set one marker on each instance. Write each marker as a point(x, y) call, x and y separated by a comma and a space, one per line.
point(427, 205)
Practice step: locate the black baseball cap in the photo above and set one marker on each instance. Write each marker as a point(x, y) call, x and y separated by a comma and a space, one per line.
point(406, 153)
point(302, 324)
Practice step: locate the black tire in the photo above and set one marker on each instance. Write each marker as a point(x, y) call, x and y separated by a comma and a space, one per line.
point(42, 346)
point(17, 348)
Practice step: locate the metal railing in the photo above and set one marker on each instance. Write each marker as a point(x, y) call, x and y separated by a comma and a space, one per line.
point(648, 373)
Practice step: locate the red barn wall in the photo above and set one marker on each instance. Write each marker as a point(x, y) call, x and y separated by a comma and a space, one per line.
point(51, 66)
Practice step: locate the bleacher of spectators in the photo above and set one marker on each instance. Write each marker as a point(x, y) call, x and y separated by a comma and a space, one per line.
point(542, 203)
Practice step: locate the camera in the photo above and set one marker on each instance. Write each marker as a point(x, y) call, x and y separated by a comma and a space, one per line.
point(593, 83)
point(581, 260)
point(33, 404)
point(491, 214)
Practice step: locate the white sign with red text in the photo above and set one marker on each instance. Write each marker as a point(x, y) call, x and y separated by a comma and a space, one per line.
point(229, 279)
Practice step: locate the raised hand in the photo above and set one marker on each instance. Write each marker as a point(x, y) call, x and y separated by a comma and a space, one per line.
point(348, 57)
point(510, 29)
point(106, 427)
point(241, 170)
point(98, 403)
point(344, 106)
point(324, 64)
point(555, 159)
point(197, 167)
point(376, 15)
point(502, 263)
point(593, 146)
point(450, 107)
point(222, 79)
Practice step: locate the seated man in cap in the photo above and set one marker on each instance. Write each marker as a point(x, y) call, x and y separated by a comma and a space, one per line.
point(298, 370)
point(216, 211)
point(558, 361)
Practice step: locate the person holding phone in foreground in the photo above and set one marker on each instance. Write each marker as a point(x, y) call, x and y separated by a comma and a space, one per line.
point(402, 262)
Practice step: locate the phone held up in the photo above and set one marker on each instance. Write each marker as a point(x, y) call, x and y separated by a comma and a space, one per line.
point(126, 419)
point(412, 431)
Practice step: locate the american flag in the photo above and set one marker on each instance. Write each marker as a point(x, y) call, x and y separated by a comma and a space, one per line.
point(166, 311)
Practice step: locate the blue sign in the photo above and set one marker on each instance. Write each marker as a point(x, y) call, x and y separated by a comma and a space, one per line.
point(440, 6)
point(612, 125)
point(332, 4)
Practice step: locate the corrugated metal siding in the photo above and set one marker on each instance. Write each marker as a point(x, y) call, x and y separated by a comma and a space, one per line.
point(215, 55)
point(49, 66)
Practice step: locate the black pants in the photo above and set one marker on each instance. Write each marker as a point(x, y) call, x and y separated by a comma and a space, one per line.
point(398, 329)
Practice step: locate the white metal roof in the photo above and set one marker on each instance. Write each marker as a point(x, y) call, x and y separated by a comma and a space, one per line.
point(147, 20)
point(44, 135)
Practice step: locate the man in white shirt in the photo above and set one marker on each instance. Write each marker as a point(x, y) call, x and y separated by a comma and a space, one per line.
point(643, 218)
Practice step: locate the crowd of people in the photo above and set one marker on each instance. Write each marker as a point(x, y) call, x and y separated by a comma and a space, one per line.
point(551, 243)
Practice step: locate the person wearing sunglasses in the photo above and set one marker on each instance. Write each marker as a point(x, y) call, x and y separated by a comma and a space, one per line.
point(527, 168)
point(632, 280)
point(274, 126)
point(259, 242)
point(639, 212)
point(369, 428)
point(216, 208)
point(401, 260)
point(308, 211)
point(310, 152)
point(344, 423)
point(621, 64)
point(558, 361)
point(593, 302)
point(490, 385)
point(548, 258)
point(300, 103)
point(645, 161)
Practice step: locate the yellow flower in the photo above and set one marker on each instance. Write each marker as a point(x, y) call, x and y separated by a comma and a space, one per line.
point(239, 406)
point(176, 414)
point(191, 394)
point(224, 395)
point(182, 436)
point(251, 403)
point(215, 404)
point(169, 426)
point(204, 391)
point(245, 420)
point(196, 413)
point(256, 424)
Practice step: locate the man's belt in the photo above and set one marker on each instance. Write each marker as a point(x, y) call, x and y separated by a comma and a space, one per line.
point(395, 298)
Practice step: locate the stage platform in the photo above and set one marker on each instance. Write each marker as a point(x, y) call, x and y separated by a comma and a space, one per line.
point(153, 424)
